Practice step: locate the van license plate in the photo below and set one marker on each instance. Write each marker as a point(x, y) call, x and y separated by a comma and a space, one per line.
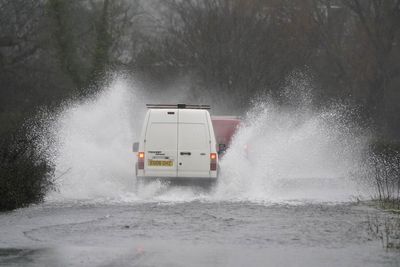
point(161, 163)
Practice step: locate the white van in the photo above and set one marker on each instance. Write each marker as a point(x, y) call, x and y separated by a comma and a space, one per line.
point(177, 142)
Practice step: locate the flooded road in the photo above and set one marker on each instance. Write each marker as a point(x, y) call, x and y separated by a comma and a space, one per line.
point(196, 233)
point(288, 199)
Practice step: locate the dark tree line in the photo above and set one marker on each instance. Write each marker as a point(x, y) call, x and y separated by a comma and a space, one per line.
point(54, 50)
point(247, 47)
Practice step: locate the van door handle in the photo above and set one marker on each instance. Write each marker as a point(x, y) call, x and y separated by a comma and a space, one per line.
point(186, 153)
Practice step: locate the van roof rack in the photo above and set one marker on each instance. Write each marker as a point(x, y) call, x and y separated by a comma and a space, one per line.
point(179, 106)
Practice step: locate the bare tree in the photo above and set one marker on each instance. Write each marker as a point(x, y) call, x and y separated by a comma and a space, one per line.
point(379, 32)
point(235, 49)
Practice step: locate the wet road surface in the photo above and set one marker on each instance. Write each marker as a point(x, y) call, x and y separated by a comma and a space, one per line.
point(192, 233)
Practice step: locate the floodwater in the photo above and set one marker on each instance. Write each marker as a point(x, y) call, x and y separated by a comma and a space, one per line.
point(289, 199)
point(196, 233)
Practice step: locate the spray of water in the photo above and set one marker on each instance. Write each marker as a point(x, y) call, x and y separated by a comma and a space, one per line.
point(291, 154)
point(93, 145)
point(279, 154)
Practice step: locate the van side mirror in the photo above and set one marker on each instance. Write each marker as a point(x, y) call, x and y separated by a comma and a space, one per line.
point(135, 147)
point(221, 148)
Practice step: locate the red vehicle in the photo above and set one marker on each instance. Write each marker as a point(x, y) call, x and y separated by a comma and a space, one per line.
point(224, 129)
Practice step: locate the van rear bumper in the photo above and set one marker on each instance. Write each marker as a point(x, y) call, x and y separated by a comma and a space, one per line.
point(179, 180)
point(212, 175)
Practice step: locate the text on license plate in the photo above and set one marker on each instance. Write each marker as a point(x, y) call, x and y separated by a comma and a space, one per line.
point(161, 163)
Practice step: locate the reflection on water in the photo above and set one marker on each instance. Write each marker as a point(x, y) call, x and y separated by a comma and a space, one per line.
point(192, 234)
point(21, 256)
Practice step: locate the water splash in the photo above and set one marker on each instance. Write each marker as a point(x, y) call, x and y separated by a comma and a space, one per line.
point(94, 157)
point(293, 154)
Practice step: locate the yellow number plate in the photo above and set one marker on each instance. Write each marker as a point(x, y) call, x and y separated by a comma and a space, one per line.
point(161, 163)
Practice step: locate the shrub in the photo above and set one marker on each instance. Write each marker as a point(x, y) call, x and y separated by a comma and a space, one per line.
point(26, 173)
point(383, 171)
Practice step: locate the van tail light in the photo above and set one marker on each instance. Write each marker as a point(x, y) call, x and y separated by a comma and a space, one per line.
point(141, 160)
point(213, 161)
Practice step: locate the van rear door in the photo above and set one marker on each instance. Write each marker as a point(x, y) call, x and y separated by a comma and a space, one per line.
point(161, 144)
point(193, 144)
